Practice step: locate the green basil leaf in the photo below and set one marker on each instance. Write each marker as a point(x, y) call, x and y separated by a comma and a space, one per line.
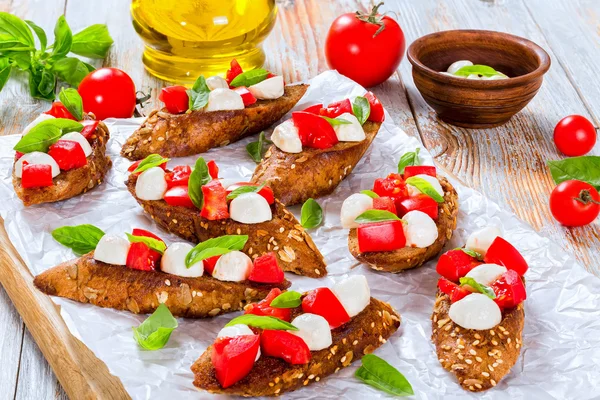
point(468, 281)
point(41, 34)
point(256, 150)
point(472, 253)
point(336, 121)
point(198, 94)
point(584, 168)
point(425, 188)
point(14, 30)
point(21, 60)
point(36, 74)
point(81, 238)
point(47, 84)
point(262, 322)
point(63, 38)
point(289, 299)
point(5, 68)
point(381, 375)
point(477, 69)
point(370, 193)
point(71, 70)
point(245, 189)
point(155, 331)
point(361, 109)
point(250, 78)
point(376, 216)
point(156, 245)
point(72, 101)
point(311, 214)
point(153, 160)
point(217, 246)
point(45, 134)
point(198, 178)
point(93, 42)
point(409, 158)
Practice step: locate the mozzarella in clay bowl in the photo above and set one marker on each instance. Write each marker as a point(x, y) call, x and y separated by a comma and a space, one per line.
point(457, 65)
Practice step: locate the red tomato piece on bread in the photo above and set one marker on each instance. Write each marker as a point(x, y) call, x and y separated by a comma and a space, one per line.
point(323, 302)
point(175, 98)
point(285, 345)
point(377, 114)
point(509, 289)
point(265, 192)
point(266, 270)
point(420, 202)
point(381, 236)
point(264, 308)
point(233, 358)
point(314, 131)
point(412, 170)
point(384, 203)
point(455, 264)
point(36, 175)
point(68, 154)
point(215, 201)
point(503, 253)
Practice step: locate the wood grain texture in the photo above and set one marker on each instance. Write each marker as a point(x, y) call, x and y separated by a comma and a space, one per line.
point(11, 339)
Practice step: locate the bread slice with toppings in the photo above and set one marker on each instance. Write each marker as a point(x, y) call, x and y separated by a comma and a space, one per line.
point(180, 135)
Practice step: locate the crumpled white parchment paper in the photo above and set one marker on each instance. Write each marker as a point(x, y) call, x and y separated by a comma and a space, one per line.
point(560, 357)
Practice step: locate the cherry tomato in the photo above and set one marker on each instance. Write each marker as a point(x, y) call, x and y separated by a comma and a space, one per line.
point(175, 98)
point(154, 256)
point(380, 236)
point(281, 344)
point(393, 186)
point(266, 270)
point(233, 358)
point(36, 175)
point(509, 290)
point(180, 176)
point(68, 154)
point(385, 203)
point(574, 135)
point(139, 257)
point(58, 110)
point(575, 203)
point(108, 92)
point(455, 264)
point(178, 196)
point(323, 302)
point(336, 109)
point(314, 131)
point(454, 291)
point(89, 128)
point(367, 48)
point(215, 201)
point(420, 202)
point(503, 253)
point(264, 308)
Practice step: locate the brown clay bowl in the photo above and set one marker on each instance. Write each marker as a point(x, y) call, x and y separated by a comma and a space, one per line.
point(477, 103)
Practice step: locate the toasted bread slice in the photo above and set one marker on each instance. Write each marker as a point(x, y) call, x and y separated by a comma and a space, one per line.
point(479, 359)
point(411, 257)
point(272, 376)
point(179, 135)
point(296, 177)
point(296, 252)
point(74, 182)
point(89, 281)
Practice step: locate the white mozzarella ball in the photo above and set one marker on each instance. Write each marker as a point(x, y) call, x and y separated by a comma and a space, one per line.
point(36, 158)
point(496, 77)
point(352, 132)
point(216, 82)
point(455, 66)
point(476, 311)
point(481, 240)
point(250, 208)
point(224, 99)
point(40, 118)
point(269, 89)
point(314, 330)
point(238, 330)
point(79, 138)
point(234, 266)
point(173, 261)
point(151, 184)
point(353, 293)
point(486, 274)
point(474, 76)
point(432, 180)
point(286, 137)
point(112, 249)
point(352, 207)
point(420, 230)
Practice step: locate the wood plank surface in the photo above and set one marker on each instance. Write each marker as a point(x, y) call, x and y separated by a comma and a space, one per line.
point(11, 339)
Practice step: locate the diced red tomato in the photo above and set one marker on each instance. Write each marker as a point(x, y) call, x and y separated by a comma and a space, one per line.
point(381, 236)
point(58, 110)
point(178, 196)
point(455, 264)
point(266, 270)
point(377, 114)
point(213, 169)
point(265, 192)
point(89, 128)
point(338, 108)
point(264, 308)
point(140, 257)
point(233, 358)
point(36, 175)
point(420, 202)
point(316, 109)
point(68, 154)
point(503, 253)
point(384, 203)
point(209, 264)
point(233, 71)
point(314, 131)
point(179, 176)
point(323, 302)
point(454, 291)
point(271, 75)
point(281, 344)
point(412, 170)
point(134, 165)
point(18, 155)
point(393, 186)
point(175, 98)
point(247, 97)
point(215, 201)
point(510, 290)
point(154, 255)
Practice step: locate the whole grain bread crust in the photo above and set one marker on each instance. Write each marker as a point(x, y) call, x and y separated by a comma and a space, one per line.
point(179, 135)
point(411, 257)
point(89, 281)
point(272, 376)
point(313, 173)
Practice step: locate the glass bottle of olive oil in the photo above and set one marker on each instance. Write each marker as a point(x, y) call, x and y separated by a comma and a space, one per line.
point(188, 38)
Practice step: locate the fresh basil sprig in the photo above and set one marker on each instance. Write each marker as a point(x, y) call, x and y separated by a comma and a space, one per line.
point(250, 78)
point(311, 214)
point(425, 188)
point(198, 178)
point(155, 331)
point(81, 238)
point(336, 121)
point(477, 69)
point(256, 150)
point(289, 299)
point(156, 245)
point(262, 322)
point(45, 134)
point(472, 253)
point(73, 102)
point(370, 193)
point(376, 216)
point(468, 281)
point(361, 109)
point(93, 42)
point(245, 189)
point(151, 161)
point(584, 168)
point(381, 375)
point(198, 94)
point(215, 247)
point(408, 158)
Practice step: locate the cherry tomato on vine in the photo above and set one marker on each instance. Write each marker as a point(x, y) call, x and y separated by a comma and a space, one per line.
point(365, 47)
point(108, 92)
point(575, 203)
point(574, 135)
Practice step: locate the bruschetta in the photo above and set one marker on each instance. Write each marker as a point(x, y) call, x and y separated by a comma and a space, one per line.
point(59, 157)
point(196, 205)
point(404, 221)
point(317, 148)
point(140, 272)
point(215, 112)
point(478, 314)
point(266, 354)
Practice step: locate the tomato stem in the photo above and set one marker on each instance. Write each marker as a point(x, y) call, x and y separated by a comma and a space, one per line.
point(586, 198)
point(373, 18)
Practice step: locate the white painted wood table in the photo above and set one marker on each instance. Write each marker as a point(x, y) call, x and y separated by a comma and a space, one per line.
point(507, 163)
